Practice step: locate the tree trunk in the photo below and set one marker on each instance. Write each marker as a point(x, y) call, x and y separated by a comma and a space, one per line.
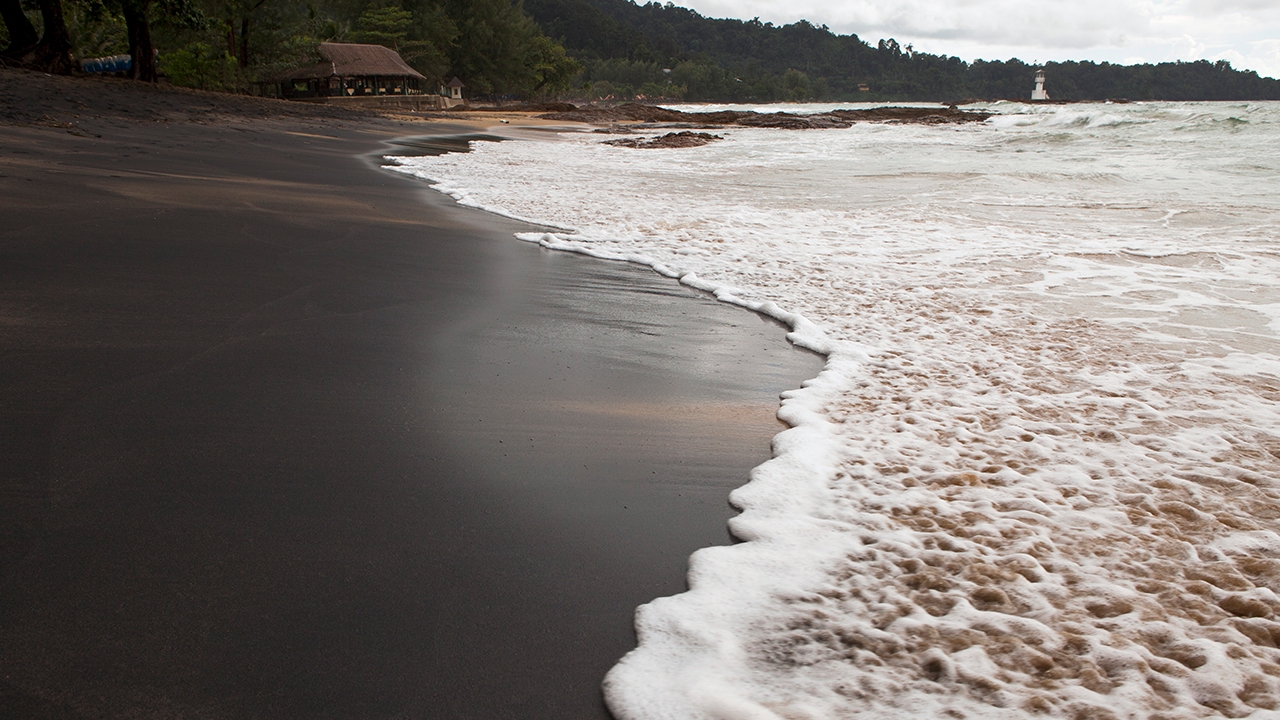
point(22, 36)
point(53, 53)
point(231, 38)
point(144, 58)
point(244, 42)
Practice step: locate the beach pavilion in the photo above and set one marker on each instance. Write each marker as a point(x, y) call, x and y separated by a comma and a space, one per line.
point(352, 69)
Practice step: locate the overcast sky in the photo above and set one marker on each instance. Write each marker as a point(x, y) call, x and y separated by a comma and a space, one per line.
point(1245, 32)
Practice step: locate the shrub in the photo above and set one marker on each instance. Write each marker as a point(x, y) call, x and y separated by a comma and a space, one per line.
point(200, 66)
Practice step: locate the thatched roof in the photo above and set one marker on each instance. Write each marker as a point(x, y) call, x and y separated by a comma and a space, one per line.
point(355, 60)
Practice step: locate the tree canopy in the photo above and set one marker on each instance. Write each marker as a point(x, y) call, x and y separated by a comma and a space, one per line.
point(628, 48)
point(227, 44)
point(600, 48)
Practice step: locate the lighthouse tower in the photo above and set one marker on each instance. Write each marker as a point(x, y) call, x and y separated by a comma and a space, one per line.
point(1039, 93)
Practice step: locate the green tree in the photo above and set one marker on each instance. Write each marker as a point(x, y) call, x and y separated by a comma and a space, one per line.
point(795, 85)
point(387, 26)
point(200, 65)
point(493, 41)
point(52, 52)
point(137, 20)
point(420, 36)
point(22, 34)
point(240, 13)
point(96, 29)
point(431, 37)
point(553, 69)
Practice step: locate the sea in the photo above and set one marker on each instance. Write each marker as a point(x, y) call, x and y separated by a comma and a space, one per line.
point(1039, 474)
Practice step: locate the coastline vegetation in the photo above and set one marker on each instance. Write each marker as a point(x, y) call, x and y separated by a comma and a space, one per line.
point(663, 50)
point(592, 49)
point(229, 45)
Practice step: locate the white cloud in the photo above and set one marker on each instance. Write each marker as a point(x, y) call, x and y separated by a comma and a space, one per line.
point(1245, 32)
point(1263, 56)
point(1186, 48)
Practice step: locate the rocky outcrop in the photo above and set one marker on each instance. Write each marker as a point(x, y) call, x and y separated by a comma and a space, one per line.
point(683, 139)
point(657, 116)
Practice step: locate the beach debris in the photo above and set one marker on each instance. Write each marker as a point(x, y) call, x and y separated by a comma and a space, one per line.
point(683, 139)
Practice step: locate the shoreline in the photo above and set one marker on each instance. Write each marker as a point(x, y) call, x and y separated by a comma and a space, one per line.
point(965, 418)
point(299, 437)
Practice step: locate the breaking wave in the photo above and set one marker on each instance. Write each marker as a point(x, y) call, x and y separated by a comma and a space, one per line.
point(1040, 472)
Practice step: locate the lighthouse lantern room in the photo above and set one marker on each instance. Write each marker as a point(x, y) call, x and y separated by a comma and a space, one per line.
point(1039, 93)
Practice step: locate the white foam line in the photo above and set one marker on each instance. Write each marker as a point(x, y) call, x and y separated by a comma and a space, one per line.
point(804, 333)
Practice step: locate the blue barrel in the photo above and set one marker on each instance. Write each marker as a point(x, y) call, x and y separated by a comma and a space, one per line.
point(110, 64)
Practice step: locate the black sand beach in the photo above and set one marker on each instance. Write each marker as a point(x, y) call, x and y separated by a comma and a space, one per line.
point(285, 435)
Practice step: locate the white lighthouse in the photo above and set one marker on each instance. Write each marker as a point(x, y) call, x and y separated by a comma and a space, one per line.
point(1039, 93)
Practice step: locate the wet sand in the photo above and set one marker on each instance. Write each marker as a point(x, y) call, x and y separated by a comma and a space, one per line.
point(285, 435)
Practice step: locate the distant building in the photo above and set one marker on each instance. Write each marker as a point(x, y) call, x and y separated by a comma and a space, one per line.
point(352, 69)
point(455, 89)
point(863, 87)
point(1039, 93)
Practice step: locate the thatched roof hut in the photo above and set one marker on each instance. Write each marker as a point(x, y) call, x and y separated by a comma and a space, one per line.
point(353, 69)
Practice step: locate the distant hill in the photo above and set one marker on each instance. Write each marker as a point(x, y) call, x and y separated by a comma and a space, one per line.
point(669, 51)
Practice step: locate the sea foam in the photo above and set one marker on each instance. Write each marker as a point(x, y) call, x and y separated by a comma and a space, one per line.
point(1038, 474)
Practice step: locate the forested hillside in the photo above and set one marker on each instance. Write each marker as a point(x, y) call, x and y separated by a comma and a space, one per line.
point(576, 48)
point(665, 50)
point(229, 44)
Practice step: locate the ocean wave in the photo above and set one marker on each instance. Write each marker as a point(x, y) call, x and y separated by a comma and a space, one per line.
point(1038, 473)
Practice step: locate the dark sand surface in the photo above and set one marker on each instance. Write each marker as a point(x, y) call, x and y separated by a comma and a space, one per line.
point(285, 435)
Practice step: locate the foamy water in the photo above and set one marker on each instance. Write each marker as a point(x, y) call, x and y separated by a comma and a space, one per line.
point(1040, 472)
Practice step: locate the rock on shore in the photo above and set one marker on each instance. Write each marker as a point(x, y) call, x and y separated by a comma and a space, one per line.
point(683, 139)
point(659, 116)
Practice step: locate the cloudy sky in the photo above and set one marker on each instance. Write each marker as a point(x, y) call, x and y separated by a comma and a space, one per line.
point(1245, 32)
